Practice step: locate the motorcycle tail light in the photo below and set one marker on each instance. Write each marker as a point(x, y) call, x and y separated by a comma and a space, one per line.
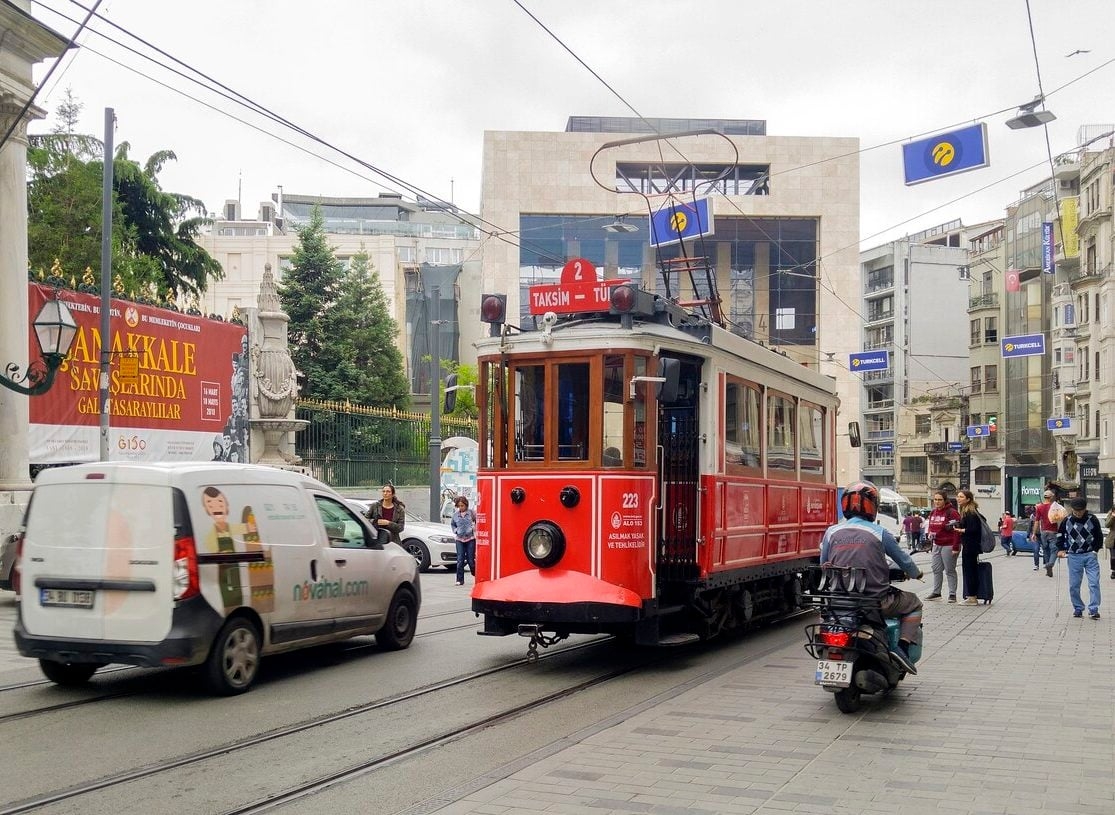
point(834, 654)
point(838, 639)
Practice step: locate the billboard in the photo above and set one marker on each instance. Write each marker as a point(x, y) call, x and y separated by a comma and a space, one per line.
point(187, 399)
point(945, 154)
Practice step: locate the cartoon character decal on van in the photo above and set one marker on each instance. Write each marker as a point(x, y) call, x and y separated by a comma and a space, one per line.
point(223, 539)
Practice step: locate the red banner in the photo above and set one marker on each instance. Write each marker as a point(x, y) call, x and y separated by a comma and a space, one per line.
point(188, 401)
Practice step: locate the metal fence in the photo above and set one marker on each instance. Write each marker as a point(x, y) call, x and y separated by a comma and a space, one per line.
point(348, 445)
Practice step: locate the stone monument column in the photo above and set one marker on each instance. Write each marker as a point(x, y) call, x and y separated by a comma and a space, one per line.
point(23, 42)
point(274, 381)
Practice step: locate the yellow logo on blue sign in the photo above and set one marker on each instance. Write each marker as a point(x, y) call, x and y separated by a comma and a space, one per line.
point(946, 154)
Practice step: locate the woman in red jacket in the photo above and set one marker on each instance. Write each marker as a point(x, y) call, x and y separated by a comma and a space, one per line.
point(946, 545)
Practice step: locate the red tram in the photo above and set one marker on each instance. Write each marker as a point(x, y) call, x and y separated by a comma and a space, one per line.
point(644, 472)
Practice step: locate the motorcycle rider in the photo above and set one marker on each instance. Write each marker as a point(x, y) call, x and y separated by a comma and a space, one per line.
point(859, 542)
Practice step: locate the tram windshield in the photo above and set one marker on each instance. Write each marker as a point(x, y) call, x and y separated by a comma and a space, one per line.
point(572, 411)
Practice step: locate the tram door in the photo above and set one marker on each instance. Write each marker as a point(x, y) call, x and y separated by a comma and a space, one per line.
point(679, 440)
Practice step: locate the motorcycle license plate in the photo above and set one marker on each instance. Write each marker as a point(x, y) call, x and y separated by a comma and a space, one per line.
point(833, 674)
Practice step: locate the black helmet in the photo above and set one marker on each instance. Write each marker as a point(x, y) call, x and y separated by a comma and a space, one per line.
point(861, 500)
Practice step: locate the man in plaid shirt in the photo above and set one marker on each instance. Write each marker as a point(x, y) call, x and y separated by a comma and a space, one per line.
point(1079, 538)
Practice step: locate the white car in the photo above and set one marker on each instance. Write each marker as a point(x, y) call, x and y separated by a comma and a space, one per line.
point(431, 544)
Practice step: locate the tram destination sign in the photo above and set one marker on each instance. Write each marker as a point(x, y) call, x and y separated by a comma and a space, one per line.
point(580, 290)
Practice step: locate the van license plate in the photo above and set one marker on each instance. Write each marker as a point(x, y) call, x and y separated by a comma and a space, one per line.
point(66, 598)
point(833, 674)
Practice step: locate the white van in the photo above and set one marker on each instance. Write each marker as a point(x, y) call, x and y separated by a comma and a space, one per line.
point(210, 564)
point(893, 507)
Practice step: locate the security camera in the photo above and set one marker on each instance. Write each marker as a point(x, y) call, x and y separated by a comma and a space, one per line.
point(549, 318)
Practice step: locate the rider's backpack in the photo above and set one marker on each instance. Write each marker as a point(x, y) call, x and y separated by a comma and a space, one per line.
point(987, 540)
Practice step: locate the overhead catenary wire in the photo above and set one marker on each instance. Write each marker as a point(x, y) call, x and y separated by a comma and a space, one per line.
point(496, 231)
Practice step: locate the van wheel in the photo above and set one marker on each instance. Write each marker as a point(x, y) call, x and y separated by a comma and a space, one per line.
point(68, 674)
point(402, 619)
point(419, 552)
point(234, 659)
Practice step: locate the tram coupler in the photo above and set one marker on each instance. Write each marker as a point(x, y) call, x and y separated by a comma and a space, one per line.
point(538, 637)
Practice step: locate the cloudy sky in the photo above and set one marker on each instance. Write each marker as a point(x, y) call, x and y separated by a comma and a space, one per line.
point(411, 87)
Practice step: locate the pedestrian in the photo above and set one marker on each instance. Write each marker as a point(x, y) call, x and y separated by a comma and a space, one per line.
point(911, 525)
point(1109, 541)
point(464, 531)
point(1079, 539)
point(1006, 530)
point(946, 545)
point(970, 533)
point(1043, 532)
point(388, 514)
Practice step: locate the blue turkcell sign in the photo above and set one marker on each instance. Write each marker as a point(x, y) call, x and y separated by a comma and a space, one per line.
point(1060, 423)
point(956, 445)
point(1024, 345)
point(677, 221)
point(886, 447)
point(977, 431)
point(869, 361)
point(956, 151)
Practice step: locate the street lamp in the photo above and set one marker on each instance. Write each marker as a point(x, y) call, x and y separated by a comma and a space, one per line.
point(55, 330)
point(1030, 116)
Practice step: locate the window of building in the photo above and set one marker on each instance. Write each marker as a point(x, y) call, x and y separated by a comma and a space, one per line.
point(974, 332)
point(406, 254)
point(1096, 369)
point(991, 330)
point(923, 425)
point(991, 378)
point(914, 468)
point(443, 256)
point(976, 379)
point(987, 476)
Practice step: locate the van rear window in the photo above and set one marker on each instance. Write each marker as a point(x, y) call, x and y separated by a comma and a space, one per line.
point(100, 515)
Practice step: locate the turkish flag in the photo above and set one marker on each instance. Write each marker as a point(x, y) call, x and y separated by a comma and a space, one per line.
point(1013, 281)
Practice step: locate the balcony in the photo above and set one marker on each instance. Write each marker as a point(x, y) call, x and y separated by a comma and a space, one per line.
point(879, 435)
point(879, 317)
point(872, 285)
point(989, 300)
point(1086, 272)
point(879, 377)
point(940, 448)
point(874, 345)
point(880, 404)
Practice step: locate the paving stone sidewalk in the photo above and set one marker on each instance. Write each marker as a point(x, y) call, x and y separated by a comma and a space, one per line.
point(1013, 711)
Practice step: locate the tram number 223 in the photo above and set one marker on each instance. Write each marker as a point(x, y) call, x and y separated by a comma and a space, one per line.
point(629, 500)
point(131, 443)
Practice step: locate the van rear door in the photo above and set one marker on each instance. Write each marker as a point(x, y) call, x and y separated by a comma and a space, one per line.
point(98, 560)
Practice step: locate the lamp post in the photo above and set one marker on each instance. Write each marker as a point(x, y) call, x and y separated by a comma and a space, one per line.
point(55, 330)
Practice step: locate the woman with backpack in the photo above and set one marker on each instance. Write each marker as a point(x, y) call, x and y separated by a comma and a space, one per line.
point(464, 531)
point(971, 533)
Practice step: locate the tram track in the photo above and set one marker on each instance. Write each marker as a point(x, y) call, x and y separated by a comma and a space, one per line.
point(349, 650)
point(405, 698)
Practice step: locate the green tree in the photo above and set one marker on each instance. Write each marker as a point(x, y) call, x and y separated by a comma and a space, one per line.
point(465, 403)
point(342, 336)
point(154, 231)
point(308, 289)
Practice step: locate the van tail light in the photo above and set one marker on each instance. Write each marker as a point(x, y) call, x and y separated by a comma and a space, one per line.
point(18, 560)
point(185, 568)
point(836, 639)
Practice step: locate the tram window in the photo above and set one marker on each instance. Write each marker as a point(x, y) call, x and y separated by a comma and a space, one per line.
point(639, 442)
point(811, 437)
point(613, 440)
point(573, 411)
point(742, 439)
point(530, 413)
point(780, 433)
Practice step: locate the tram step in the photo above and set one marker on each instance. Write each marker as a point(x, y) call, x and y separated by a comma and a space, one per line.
point(678, 639)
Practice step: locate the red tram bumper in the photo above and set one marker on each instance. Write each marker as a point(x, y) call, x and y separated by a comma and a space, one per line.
point(556, 599)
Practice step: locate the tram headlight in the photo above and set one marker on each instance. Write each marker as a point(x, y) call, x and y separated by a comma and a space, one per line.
point(544, 544)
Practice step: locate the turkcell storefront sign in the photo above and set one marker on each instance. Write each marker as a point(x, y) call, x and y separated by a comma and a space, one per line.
point(1047, 247)
point(1024, 345)
point(1060, 423)
point(869, 361)
point(677, 221)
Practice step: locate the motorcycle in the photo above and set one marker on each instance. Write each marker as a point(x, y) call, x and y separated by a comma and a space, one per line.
point(853, 643)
